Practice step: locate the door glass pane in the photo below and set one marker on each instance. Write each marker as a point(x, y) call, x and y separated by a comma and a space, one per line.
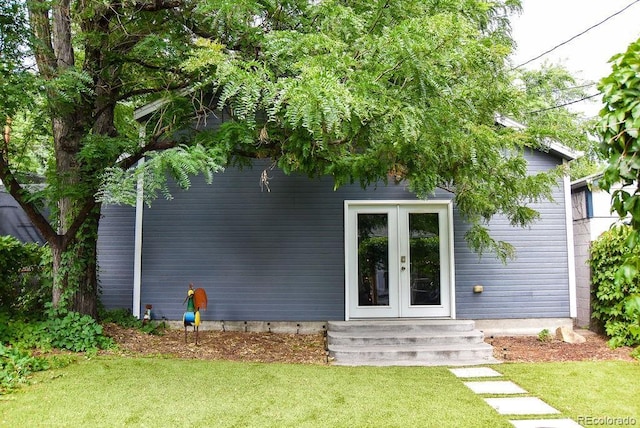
point(424, 255)
point(373, 259)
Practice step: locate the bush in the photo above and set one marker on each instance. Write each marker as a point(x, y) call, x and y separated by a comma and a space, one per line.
point(616, 286)
point(73, 331)
point(25, 284)
point(124, 318)
point(61, 329)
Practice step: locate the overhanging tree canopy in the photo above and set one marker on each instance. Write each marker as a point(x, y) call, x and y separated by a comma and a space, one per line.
point(359, 90)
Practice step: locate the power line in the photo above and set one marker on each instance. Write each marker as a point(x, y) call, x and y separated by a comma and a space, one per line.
point(568, 88)
point(577, 35)
point(565, 104)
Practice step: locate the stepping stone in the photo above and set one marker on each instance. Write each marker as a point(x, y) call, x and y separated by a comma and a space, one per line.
point(475, 372)
point(520, 406)
point(546, 423)
point(495, 387)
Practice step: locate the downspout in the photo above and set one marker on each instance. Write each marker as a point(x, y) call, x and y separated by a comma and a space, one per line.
point(571, 261)
point(137, 256)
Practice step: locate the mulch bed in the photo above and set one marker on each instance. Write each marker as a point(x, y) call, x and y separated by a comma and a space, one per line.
point(310, 348)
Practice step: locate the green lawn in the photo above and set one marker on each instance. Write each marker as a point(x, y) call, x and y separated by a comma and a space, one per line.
point(173, 393)
point(582, 389)
point(156, 392)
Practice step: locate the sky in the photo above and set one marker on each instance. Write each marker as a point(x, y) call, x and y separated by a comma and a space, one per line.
point(544, 24)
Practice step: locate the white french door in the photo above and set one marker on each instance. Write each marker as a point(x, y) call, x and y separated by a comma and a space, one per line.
point(399, 259)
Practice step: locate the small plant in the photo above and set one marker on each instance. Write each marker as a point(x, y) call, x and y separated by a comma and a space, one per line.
point(545, 336)
point(73, 331)
point(124, 318)
point(16, 365)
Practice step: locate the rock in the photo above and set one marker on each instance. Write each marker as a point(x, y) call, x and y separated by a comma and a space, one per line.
point(566, 334)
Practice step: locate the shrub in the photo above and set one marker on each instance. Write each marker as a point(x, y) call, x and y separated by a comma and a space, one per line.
point(61, 329)
point(616, 286)
point(73, 331)
point(124, 318)
point(25, 283)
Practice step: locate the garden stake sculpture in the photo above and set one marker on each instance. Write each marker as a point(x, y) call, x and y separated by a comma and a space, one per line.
point(196, 300)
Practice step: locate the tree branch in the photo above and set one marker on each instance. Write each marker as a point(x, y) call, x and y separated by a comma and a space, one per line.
point(156, 5)
point(71, 233)
point(42, 46)
point(18, 193)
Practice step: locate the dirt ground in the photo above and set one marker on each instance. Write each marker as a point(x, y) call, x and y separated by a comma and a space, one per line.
point(310, 348)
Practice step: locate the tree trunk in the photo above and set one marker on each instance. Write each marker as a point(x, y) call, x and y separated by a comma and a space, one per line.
point(75, 267)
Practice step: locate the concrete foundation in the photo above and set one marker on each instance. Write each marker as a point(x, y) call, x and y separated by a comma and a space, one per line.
point(521, 327)
point(302, 327)
point(493, 327)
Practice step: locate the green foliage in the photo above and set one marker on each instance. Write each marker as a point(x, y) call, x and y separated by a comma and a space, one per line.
point(616, 286)
point(60, 329)
point(70, 330)
point(16, 366)
point(545, 335)
point(540, 92)
point(618, 128)
point(25, 285)
point(124, 318)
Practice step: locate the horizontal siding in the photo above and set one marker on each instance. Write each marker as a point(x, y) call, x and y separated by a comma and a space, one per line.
point(116, 256)
point(279, 254)
point(536, 283)
point(261, 255)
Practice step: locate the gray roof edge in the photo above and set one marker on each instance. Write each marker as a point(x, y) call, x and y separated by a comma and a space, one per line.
point(553, 146)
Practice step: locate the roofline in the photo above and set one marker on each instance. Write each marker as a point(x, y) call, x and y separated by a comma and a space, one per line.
point(148, 109)
point(589, 180)
point(553, 146)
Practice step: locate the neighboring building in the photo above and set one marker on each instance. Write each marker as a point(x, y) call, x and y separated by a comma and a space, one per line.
point(14, 221)
point(591, 207)
point(302, 252)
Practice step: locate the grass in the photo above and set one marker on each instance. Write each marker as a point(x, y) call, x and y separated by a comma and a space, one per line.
point(582, 389)
point(170, 392)
point(165, 392)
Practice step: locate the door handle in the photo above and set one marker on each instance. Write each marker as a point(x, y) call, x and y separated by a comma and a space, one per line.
point(403, 268)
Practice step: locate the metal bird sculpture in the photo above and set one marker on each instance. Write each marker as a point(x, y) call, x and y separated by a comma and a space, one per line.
point(196, 300)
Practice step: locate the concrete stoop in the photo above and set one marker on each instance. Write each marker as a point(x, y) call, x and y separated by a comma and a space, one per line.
point(407, 343)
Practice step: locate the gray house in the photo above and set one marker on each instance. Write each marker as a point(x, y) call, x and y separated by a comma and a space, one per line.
point(300, 252)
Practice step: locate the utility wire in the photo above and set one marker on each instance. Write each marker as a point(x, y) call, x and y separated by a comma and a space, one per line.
point(565, 104)
point(537, 91)
point(577, 35)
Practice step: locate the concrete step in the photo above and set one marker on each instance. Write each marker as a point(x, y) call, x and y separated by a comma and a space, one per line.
point(414, 355)
point(407, 342)
point(345, 338)
point(402, 325)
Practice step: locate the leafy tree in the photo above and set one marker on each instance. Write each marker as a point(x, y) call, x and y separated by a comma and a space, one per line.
point(546, 93)
point(360, 90)
point(619, 128)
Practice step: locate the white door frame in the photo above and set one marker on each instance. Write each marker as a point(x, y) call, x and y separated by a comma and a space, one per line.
point(399, 302)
